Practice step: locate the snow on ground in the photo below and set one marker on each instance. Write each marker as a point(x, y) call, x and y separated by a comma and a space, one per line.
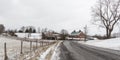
point(33, 35)
point(13, 47)
point(43, 55)
point(113, 43)
point(54, 49)
point(56, 52)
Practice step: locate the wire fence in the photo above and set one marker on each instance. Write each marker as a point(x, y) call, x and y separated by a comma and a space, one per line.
point(27, 49)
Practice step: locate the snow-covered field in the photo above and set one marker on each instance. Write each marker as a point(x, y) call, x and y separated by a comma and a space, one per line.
point(33, 35)
point(13, 47)
point(113, 43)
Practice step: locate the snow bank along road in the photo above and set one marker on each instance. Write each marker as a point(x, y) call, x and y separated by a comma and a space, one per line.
point(74, 51)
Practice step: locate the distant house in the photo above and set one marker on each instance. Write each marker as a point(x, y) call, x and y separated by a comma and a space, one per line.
point(52, 35)
point(79, 35)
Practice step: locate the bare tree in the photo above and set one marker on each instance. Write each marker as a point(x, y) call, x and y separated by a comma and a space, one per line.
point(39, 30)
point(107, 13)
point(44, 31)
point(22, 29)
point(2, 28)
point(63, 34)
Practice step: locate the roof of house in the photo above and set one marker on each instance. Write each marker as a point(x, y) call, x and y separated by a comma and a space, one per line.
point(75, 33)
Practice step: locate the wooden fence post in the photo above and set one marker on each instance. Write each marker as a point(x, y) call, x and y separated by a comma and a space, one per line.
point(21, 51)
point(36, 43)
point(5, 52)
point(30, 46)
point(47, 43)
point(42, 43)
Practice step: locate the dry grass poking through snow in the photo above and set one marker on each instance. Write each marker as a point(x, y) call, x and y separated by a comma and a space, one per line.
point(49, 55)
point(13, 49)
point(34, 55)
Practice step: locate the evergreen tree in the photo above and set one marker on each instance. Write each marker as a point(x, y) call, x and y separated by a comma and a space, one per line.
point(26, 31)
point(34, 31)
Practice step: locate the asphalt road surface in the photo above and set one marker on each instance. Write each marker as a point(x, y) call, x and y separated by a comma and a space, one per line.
point(74, 51)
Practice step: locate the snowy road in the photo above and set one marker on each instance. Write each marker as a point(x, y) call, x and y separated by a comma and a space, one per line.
point(75, 51)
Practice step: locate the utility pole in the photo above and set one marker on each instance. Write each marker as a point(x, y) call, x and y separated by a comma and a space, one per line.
point(85, 32)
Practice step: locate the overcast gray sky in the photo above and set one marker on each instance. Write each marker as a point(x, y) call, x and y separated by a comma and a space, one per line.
point(52, 14)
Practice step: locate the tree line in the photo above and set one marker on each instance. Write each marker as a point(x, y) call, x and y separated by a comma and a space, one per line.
point(31, 29)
